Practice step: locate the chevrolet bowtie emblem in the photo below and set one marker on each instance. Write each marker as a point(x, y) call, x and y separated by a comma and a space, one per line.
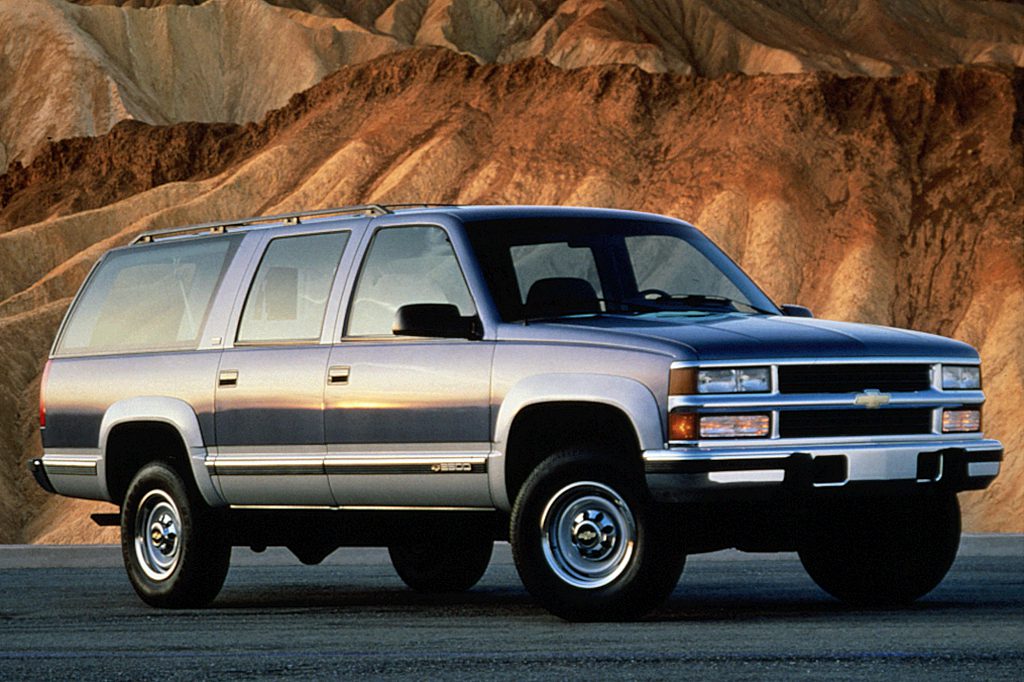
point(872, 399)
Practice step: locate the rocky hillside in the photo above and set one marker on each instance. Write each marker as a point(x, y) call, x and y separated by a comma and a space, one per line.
point(891, 200)
point(77, 69)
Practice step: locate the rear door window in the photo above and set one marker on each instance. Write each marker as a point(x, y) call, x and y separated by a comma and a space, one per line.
point(153, 297)
point(288, 296)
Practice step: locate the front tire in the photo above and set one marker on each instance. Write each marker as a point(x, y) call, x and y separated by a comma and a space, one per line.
point(883, 552)
point(174, 552)
point(589, 544)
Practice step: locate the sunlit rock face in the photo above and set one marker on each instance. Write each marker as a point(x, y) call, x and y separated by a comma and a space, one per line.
point(892, 200)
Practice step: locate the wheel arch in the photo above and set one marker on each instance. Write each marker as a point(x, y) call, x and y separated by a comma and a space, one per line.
point(547, 412)
point(169, 430)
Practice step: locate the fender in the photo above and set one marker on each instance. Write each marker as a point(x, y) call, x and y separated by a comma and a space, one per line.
point(631, 397)
point(178, 414)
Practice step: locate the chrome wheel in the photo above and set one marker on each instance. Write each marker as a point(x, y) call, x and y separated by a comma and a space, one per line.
point(158, 535)
point(588, 534)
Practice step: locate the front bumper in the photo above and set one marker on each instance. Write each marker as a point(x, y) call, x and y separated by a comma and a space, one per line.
point(708, 474)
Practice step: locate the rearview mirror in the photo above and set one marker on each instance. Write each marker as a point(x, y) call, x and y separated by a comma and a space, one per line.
point(437, 320)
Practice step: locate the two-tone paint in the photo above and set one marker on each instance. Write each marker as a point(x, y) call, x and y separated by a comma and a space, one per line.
point(400, 422)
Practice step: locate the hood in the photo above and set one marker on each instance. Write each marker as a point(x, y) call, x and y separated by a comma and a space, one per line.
point(734, 336)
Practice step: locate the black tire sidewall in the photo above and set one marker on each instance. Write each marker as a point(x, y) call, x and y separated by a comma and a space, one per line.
point(653, 568)
point(884, 553)
point(203, 554)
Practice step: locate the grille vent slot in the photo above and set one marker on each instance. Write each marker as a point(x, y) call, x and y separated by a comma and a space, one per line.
point(889, 378)
point(854, 422)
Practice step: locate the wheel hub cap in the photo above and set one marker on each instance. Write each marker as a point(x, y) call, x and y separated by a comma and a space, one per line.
point(588, 534)
point(157, 538)
point(164, 534)
point(592, 534)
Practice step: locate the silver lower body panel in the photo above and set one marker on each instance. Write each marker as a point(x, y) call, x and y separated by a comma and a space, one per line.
point(694, 474)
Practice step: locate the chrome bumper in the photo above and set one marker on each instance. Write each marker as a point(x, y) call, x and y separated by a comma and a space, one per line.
point(74, 473)
point(706, 474)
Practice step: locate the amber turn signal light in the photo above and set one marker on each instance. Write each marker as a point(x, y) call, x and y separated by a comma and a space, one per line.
point(682, 426)
point(682, 381)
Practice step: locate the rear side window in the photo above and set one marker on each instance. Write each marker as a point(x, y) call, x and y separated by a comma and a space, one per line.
point(147, 298)
point(288, 297)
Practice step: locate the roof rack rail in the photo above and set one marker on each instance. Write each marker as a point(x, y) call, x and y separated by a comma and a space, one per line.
point(221, 226)
point(425, 204)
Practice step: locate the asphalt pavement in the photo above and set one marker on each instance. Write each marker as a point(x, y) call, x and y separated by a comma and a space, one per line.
point(69, 613)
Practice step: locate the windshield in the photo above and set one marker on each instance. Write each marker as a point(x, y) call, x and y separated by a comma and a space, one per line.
point(558, 267)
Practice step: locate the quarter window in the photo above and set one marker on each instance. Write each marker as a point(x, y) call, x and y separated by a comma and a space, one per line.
point(288, 296)
point(153, 297)
point(406, 265)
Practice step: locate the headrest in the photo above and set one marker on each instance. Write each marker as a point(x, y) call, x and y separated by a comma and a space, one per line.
point(561, 296)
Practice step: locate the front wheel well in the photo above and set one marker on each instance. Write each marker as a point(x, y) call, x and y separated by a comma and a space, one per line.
point(132, 445)
point(543, 429)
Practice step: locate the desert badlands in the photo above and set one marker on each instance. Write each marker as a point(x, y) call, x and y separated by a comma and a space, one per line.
point(861, 157)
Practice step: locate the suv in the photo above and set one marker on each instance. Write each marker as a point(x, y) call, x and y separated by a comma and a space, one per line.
point(605, 389)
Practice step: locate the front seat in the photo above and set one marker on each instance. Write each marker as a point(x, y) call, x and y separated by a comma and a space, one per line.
point(554, 296)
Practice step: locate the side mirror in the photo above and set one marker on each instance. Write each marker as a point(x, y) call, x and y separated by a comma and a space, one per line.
point(437, 320)
point(790, 310)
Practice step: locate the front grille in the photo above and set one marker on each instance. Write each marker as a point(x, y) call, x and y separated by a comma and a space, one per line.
point(854, 422)
point(853, 378)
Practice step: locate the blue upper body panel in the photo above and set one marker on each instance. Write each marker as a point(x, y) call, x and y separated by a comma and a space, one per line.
point(734, 336)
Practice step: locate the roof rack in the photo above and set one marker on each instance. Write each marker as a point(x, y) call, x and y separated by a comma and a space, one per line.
point(221, 226)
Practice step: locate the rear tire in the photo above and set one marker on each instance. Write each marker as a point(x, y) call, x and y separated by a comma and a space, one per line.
point(883, 552)
point(173, 549)
point(447, 565)
point(588, 542)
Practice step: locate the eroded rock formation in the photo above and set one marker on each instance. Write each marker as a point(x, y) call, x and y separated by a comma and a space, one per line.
point(885, 200)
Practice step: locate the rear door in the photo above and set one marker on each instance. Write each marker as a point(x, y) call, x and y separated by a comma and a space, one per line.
point(270, 384)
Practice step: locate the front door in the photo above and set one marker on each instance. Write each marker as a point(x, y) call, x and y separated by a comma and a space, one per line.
point(407, 419)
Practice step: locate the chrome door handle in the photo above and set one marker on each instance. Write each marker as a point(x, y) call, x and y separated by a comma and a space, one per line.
point(228, 377)
point(338, 375)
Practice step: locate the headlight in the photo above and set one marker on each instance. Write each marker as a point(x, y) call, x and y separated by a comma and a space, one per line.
point(740, 380)
point(956, 377)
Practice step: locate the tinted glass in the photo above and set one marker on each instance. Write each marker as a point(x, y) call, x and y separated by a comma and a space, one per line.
point(147, 298)
point(534, 262)
point(634, 267)
point(406, 265)
point(664, 263)
point(288, 296)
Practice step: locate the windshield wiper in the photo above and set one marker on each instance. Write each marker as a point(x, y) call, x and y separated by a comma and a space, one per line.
point(629, 307)
point(712, 300)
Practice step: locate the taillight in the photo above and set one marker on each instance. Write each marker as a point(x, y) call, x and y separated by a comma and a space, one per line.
point(42, 395)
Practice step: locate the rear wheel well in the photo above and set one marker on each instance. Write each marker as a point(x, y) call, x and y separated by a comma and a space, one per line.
point(540, 430)
point(132, 445)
